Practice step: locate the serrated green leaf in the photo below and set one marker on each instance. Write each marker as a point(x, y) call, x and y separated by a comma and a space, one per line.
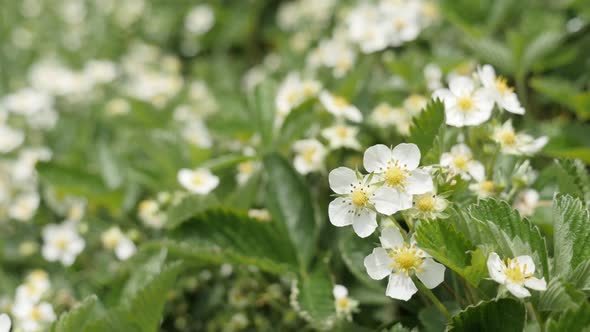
point(580, 276)
point(571, 224)
point(76, 319)
point(141, 275)
point(188, 207)
point(238, 238)
point(577, 319)
point(289, 201)
point(428, 129)
point(501, 315)
point(494, 224)
point(559, 296)
point(441, 240)
point(575, 172)
point(315, 298)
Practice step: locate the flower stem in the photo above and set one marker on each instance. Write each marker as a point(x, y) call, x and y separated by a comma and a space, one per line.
point(443, 310)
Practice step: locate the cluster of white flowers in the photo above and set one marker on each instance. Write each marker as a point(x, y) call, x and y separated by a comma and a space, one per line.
point(336, 53)
point(292, 92)
point(385, 116)
point(114, 239)
point(30, 311)
point(152, 212)
point(388, 23)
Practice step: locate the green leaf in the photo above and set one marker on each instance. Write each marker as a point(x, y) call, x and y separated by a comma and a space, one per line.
point(141, 275)
point(442, 241)
point(427, 130)
point(571, 224)
point(539, 47)
point(559, 296)
point(188, 207)
point(577, 175)
point(580, 277)
point(573, 320)
point(289, 201)
point(77, 318)
point(237, 238)
point(501, 315)
point(109, 167)
point(264, 110)
point(492, 52)
point(313, 295)
point(353, 251)
point(565, 93)
point(494, 224)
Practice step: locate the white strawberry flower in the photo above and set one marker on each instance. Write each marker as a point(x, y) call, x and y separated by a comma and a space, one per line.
point(397, 169)
point(460, 161)
point(5, 323)
point(114, 239)
point(345, 305)
point(36, 285)
point(515, 274)
point(199, 181)
point(526, 202)
point(11, 138)
point(401, 261)
point(340, 107)
point(357, 200)
point(33, 317)
point(428, 206)
point(310, 155)
point(517, 143)
point(499, 90)
point(342, 136)
point(465, 105)
point(62, 243)
point(484, 188)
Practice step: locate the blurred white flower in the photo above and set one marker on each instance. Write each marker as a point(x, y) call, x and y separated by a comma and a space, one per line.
point(292, 92)
point(36, 285)
point(27, 101)
point(433, 75)
point(465, 105)
point(11, 138)
point(114, 239)
point(245, 171)
point(149, 212)
point(526, 202)
point(5, 323)
point(515, 274)
point(32, 317)
point(342, 136)
point(484, 188)
point(400, 261)
point(357, 200)
point(100, 71)
point(340, 107)
point(415, 103)
point(199, 20)
point(196, 133)
point(517, 143)
point(345, 306)
point(460, 161)
point(310, 155)
point(24, 206)
point(333, 53)
point(259, 214)
point(199, 181)
point(397, 169)
point(497, 87)
point(62, 243)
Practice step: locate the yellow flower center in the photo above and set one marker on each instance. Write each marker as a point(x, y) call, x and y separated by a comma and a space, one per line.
point(343, 303)
point(425, 203)
point(460, 162)
point(507, 137)
point(406, 259)
point(395, 176)
point(515, 272)
point(465, 104)
point(198, 180)
point(292, 97)
point(359, 198)
point(487, 186)
point(61, 243)
point(502, 85)
point(399, 23)
point(309, 154)
point(36, 314)
point(342, 132)
point(340, 101)
point(246, 167)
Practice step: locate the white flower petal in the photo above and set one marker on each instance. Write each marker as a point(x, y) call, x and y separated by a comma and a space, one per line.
point(340, 291)
point(476, 170)
point(496, 268)
point(407, 154)
point(5, 323)
point(391, 237)
point(536, 283)
point(461, 85)
point(341, 178)
point(431, 273)
point(378, 264)
point(442, 94)
point(339, 212)
point(518, 290)
point(376, 156)
point(487, 76)
point(400, 287)
point(526, 261)
point(419, 182)
point(364, 222)
point(387, 200)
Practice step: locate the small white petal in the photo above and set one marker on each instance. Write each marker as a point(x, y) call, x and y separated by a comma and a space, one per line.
point(431, 273)
point(461, 85)
point(536, 283)
point(341, 178)
point(391, 237)
point(5, 323)
point(340, 291)
point(518, 290)
point(526, 261)
point(496, 268)
point(419, 182)
point(339, 212)
point(364, 222)
point(476, 170)
point(400, 287)
point(387, 200)
point(407, 154)
point(378, 264)
point(376, 156)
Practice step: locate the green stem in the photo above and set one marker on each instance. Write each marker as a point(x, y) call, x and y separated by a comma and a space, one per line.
point(535, 314)
point(443, 310)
